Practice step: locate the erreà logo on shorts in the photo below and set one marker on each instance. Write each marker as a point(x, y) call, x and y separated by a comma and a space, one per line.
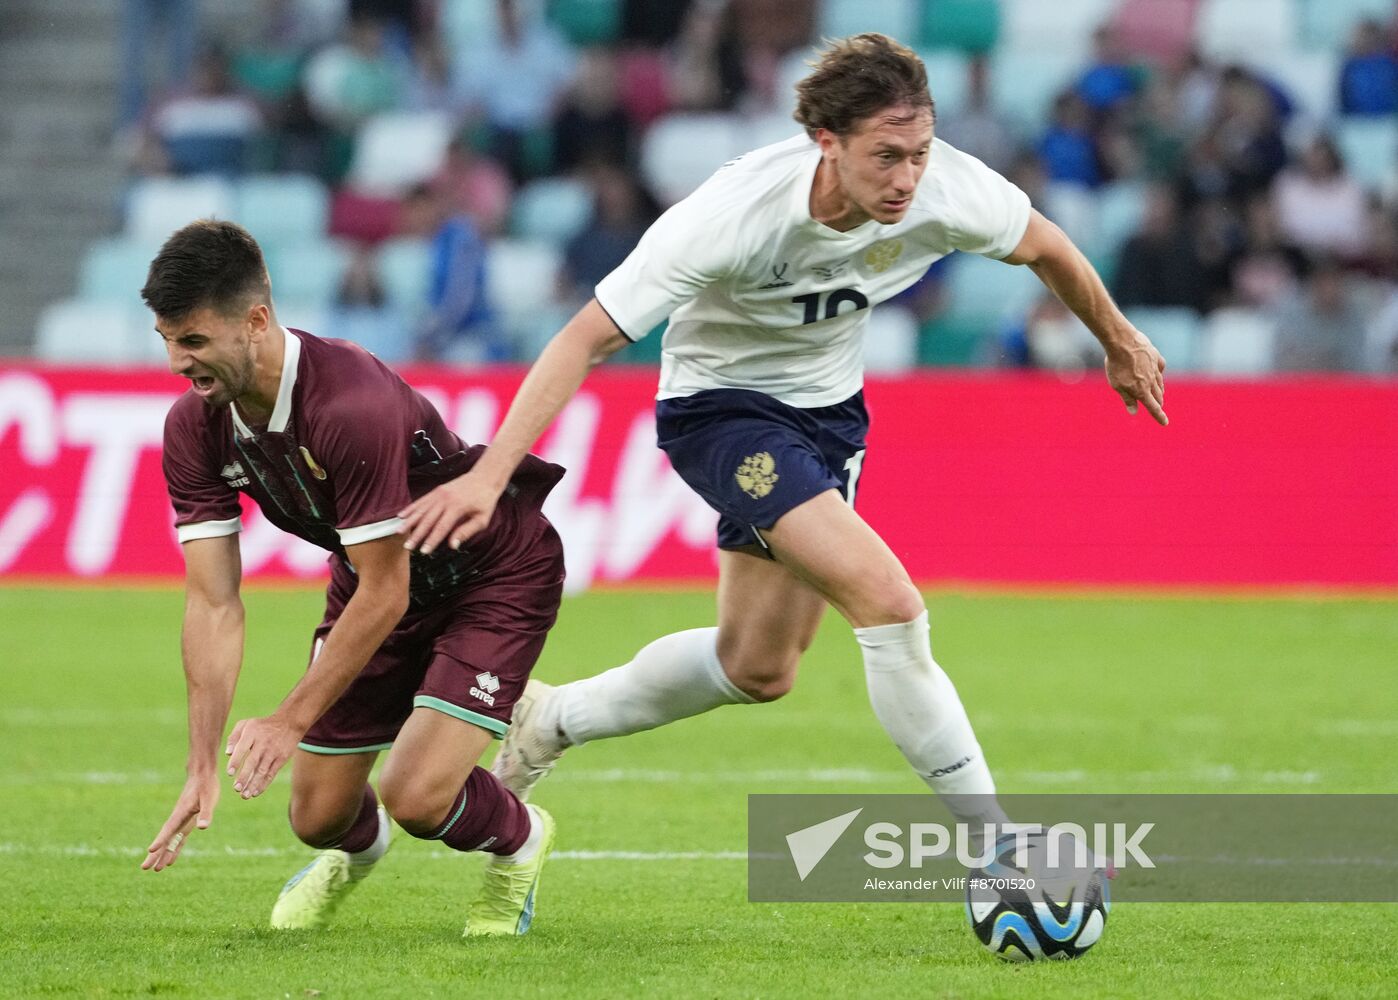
point(486, 686)
point(235, 475)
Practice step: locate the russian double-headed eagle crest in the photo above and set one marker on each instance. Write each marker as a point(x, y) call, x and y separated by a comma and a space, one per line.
point(757, 475)
point(880, 256)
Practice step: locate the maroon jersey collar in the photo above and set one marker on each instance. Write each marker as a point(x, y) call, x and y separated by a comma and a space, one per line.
point(281, 411)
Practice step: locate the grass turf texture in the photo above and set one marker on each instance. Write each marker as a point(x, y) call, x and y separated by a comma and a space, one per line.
point(1068, 694)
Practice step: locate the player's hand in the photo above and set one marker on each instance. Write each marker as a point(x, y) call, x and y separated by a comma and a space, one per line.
point(195, 809)
point(1137, 372)
point(452, 512)
point(257, 749)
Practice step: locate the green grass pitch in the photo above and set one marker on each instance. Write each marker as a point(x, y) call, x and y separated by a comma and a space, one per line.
point(1126, 694)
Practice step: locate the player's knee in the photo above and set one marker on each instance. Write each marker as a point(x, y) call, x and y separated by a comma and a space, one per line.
point(894, 604)
point(417, 807)
point(320, 827)
point(762, 675)
point(766, 688)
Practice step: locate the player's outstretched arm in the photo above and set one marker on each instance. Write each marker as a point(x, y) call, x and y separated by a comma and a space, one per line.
point(212, 646)
point(457, 510)
point(258, 748)
point(1135, 369)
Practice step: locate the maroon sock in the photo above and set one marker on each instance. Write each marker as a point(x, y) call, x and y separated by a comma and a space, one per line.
point(485, 816)
point(365, 828)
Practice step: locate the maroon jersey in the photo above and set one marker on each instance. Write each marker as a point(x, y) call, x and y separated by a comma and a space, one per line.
point(348, 445)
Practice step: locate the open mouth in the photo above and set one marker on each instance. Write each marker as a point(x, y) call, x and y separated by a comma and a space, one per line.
point(203, 384)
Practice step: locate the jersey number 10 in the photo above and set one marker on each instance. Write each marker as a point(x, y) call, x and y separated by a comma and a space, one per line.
point(833, 301)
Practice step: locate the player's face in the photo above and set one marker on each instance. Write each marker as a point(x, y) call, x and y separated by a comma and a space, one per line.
point(881, 162)
point(214, 351)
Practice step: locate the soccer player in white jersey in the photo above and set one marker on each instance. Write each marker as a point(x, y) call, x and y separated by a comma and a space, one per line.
point(767, 273)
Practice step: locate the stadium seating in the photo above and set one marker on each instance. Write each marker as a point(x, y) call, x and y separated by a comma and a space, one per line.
point(587, 22)
point(554, 209)
point(308, 272)
point(1060, 25)
point(77, 331)
point(1025, 82)
point(1309, 79)
point(891, 341)
point(1232, 29)
point(1175, 332)
point(1075, 210)
point(520, 279)
point(946, 78)
point(1121, 206)
point(1327, 24)
point(895, 18)
point(405, 266)
point(1237, 341)
point(985, 292)
point(115, 269)
point(680, 151)
point(397, 150)
point(967, 25)
point(1159, 31)
point(1370, 149)
point(157, 206)
point(281, 208)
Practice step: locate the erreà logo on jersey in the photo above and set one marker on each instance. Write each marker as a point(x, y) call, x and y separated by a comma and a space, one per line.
point(486, 686)
point(235, 475)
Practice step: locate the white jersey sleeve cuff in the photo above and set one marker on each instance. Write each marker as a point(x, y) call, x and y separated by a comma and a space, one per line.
point(369, 532)
point(209, 529)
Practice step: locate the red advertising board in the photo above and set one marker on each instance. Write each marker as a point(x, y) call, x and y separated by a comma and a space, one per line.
point(974, 478)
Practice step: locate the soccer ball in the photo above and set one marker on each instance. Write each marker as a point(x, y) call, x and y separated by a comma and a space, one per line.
point(1026, 913)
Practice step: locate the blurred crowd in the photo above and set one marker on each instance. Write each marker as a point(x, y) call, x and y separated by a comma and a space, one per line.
point(1238, 203)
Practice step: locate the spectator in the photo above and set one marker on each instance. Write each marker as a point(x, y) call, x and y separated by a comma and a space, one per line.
point(1322, 328)
point(1319, 207)
point(1247, 132)
point(1267, 271)
point(706, 71)
point(591, 125)
point(621, 213)
point(516, 81)
point(474, 185)
point(209, 127)
point(1111, 80)
point(430, 86)
point(348, 82)
point(361, 312)
point(460, 325)
point(977, 128)
point(1068, 150)
point(1159, 265)
point(1369, 74)
point(175, 23)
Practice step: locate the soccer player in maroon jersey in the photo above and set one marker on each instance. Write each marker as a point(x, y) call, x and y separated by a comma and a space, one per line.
point(419, 656)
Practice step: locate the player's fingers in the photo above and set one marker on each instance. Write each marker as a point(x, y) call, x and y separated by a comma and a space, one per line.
point(1155, 410)
point(465, 531)
point(437, 534)
point(234, 737)
point(421, 527)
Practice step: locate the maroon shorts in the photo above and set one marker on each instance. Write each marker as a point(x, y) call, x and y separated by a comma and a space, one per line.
point(470, 657)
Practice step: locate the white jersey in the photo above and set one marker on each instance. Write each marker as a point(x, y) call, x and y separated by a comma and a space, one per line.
point(761, 296)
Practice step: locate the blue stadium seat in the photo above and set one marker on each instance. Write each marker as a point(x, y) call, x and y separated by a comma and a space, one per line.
point(966, 25)
point(553, 208)
point(1237, 341)
point(206, 154)
point(987, 292)
point(282, 208)
point(895, 18)
point(115, 269)
point(77, 331)
point(405, 265)
point(157, 206)
point(1024, 83)
point(1327, 24)
point(1174, 331)
point(308, 272)
point(1060, 25)
point(520, 275)
point(1370, 149)
point(1232, 29)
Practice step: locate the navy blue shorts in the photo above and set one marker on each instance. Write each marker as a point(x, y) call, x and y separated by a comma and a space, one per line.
point(753, 458)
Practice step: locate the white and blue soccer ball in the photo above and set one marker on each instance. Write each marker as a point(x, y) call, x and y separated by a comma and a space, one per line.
point(1022, 911)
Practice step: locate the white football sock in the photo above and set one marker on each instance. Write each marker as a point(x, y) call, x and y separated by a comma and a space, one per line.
point(377, 849)
point(919, 708)
point(676, 676)
point(531, 843)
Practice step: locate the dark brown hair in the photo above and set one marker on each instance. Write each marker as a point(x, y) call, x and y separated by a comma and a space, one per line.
point(208, 263)
point(857, 77)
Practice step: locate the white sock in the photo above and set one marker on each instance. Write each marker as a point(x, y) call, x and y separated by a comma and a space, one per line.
point(919, 708)
point(375, 850)
point(676, 676)
point(531, 843)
